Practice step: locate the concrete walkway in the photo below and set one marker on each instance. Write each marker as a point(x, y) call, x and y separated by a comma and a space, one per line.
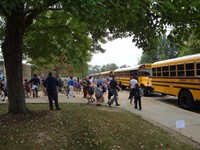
point(152, 110)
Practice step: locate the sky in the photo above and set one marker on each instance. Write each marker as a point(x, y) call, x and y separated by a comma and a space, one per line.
point(120, 51)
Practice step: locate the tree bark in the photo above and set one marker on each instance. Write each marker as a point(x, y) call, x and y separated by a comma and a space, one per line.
point(12, 53)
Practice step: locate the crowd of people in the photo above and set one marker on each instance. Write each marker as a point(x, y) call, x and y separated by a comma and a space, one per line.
point(93, 89)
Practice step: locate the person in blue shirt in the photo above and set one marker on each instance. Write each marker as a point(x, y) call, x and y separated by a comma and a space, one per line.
point(71, 87)
point(51, 84)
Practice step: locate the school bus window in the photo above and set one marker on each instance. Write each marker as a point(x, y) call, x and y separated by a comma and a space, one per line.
point(131, 73)
point(165, 71)
point(173, 71)
point(154, 72)
point(198, 69)
point(180, 70)
point(190, 69)
point(135, 73)
point(144, 73)
point(159, 71)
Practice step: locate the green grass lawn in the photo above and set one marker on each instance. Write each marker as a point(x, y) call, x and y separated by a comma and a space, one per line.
point(82, 127)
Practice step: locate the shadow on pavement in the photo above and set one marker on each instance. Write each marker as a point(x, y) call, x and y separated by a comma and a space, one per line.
point(171, 100)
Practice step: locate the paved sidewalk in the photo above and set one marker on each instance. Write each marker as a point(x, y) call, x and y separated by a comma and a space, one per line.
point(152, 110)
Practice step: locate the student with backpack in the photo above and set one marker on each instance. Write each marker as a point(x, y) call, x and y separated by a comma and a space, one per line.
point(103, 87)
point(137, 97)
point(98, 94)
point(90, 94)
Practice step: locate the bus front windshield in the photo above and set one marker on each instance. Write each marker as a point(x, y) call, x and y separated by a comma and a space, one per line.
point(145, 72)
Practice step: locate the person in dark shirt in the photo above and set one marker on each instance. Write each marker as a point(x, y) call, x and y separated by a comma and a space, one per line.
point(113, 89)
point(51, 84)
point(35, 85)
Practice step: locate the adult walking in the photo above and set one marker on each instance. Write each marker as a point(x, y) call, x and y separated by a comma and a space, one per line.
point(114, 90)
point(51, 84)
point(133, 82)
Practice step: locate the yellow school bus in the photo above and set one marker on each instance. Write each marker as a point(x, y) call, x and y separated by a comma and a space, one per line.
point(179, 77)
point(105, 74)
point(141, 72)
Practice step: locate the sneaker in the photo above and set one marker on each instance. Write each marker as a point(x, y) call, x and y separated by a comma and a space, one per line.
point(135, 107)
point(51, 108)
point(140, 108)
point(117, 104)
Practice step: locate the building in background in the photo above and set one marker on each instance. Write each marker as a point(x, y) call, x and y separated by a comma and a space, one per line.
point(25, 68)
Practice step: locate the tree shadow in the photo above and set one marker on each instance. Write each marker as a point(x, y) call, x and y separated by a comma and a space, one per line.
point(172, 100)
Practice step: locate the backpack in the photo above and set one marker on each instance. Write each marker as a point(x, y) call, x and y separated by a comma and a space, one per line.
point(98, 93)
point(91, 90)
point(139, 91)
point(104, 88)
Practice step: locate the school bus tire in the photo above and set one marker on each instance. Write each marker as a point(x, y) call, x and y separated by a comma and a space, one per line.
point(123, 87)
point(145, 92)
point(186, 100)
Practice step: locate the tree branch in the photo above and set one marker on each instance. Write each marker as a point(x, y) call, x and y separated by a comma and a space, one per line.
point(33, 13)
point(4, 11)
point(48, 28)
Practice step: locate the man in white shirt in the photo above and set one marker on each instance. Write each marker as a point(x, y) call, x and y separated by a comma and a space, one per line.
point(133, 82)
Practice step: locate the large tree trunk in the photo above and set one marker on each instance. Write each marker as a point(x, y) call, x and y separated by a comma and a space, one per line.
point(12, 53)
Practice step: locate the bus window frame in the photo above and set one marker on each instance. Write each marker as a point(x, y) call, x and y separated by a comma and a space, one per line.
point(154, 72)
point(180, 70)
point(159, 72)
point(197, 69)
point(163, 71)
point(189, 70)
point(173, 71)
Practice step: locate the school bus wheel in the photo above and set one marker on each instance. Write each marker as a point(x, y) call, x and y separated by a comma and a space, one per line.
point(186, 100)
point(145, 91)
point(123, 87)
